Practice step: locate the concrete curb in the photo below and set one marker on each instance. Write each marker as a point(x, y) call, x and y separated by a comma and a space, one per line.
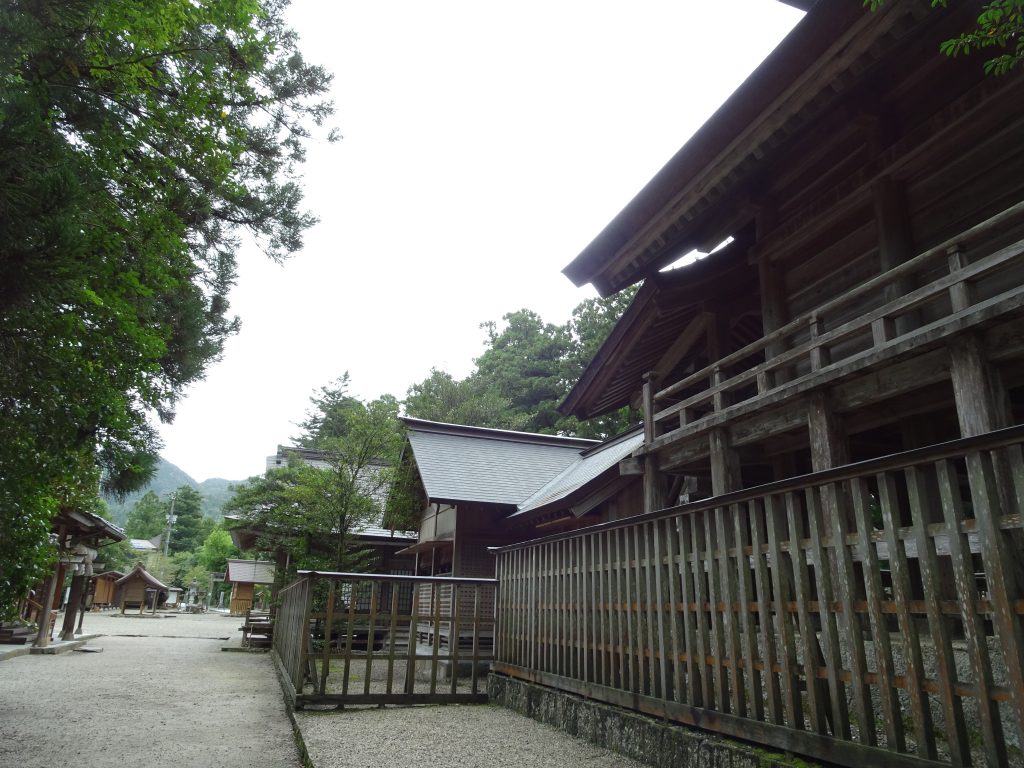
point(300, 742)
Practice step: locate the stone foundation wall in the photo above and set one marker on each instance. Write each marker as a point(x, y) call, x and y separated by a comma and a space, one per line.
point(634, 735)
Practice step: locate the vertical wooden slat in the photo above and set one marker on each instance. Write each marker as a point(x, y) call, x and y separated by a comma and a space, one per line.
point(392, 631)
point(622, 612)
point(349, 631)
point(742, 525)
point(531, 607)
point(600, 616)
point(474, 681)
point(580, 602)
point(676, 612)
point(973, 624)
point(727, 583)
point(702, 621)
point(829, 622)
point(720, 677)
point(435, 651)
point(410, 664)
point(454, 632)
point(758, 540)
point(371, 631)
point(1001, 577)
point(836, 504)
point(808, 639)
point(892, 714)
point(956, 728)
point(653, 635)
point(782, 587)
point(563, 612)
point(325, 662)
point(638, 592)
point(694, 671)
point(587, 605)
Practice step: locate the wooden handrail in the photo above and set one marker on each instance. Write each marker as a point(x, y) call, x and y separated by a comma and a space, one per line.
point(838, 302)
point(953, 449)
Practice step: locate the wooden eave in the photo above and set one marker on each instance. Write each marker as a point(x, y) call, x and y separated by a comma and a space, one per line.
point(710, 185)
point(658, 315)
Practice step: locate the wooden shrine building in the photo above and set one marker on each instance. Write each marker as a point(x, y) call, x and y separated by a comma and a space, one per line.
point(244, 576)
point(139, 588)
point(828, 558)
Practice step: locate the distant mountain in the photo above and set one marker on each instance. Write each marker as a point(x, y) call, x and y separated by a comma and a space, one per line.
point(166, 480)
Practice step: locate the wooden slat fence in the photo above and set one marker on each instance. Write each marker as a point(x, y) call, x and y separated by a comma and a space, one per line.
point(866, 615)
point(356, 638)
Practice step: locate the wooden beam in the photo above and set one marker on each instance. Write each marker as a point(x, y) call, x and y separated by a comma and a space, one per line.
point(693, 333)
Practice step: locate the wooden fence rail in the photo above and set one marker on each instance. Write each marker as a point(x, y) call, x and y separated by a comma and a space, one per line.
point(357, 638)
point(866, 615)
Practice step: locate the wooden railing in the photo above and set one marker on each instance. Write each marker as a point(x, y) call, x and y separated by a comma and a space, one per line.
point(877, 319)
point(356, 638)
point(865, 615)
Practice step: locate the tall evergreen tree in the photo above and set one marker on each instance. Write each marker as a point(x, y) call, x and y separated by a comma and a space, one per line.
point(137, 140)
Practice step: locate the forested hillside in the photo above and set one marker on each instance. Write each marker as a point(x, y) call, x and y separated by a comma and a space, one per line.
point(166, 480)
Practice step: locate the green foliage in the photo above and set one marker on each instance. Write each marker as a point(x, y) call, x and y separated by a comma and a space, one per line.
point(311, 512)
point(148, 518)
point(217, 549)
point(440, 397)
point(166, 478)
point(190, 526)
point(137, 141)
point(1000, 24)
point(527, 369)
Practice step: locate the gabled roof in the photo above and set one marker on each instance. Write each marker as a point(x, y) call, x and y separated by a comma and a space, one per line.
point(699, 197)
point(140, 572)
point(142, 545)
point(459, 463)
point(249, 572)
point(587, 468)
point(110, 575)
point(666, 304)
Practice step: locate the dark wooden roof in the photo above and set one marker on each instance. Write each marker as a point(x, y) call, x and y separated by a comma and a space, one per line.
point(663, 307)
point(140, 572)
point(709, 189)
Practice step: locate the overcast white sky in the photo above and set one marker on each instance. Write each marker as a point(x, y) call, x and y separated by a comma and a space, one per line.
point(485, 145)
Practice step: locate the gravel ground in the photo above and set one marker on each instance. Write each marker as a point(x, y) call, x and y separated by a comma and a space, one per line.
point(463, 736)
point(162, 693)
point(169, 697)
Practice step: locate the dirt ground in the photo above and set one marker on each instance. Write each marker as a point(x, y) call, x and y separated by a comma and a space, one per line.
point(160, 693)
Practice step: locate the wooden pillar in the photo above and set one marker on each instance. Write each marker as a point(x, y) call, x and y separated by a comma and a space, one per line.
point(78, 582)
point(983, 405)
point(46, 601)
point(655, 485)
point(829, 443)
point(774, 313)
point(895, 243)
point(981, 401)
point(725, 465)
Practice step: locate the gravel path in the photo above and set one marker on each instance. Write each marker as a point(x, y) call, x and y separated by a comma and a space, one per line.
point(462, 736)
point(162, 694)
point(167, 698)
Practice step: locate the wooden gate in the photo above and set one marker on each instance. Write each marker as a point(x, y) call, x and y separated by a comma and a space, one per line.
point(356, 638)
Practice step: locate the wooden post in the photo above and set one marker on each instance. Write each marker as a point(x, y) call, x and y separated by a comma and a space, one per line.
point(725, 466)
point(895, 244)
point(74, 601)
point(829, 444)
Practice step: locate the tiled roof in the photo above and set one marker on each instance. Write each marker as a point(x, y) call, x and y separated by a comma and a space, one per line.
point(249, 572)
point(587, 467)
point(458, 463)
point(142, 545)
